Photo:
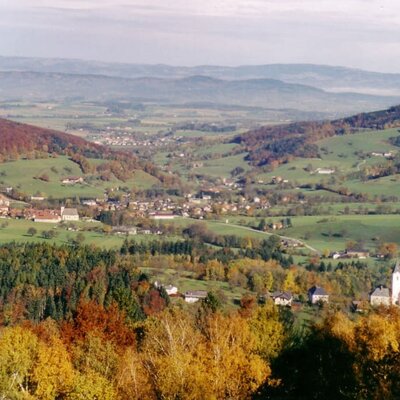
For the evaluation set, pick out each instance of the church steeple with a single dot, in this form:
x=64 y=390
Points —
x=396 y=284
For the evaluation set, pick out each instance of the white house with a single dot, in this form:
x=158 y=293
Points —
x=282 y=298
x=170 y=289
x=318 y=294
x=124 y=230
x=69 y=214
x=161 y=215
x=325 y=171
x=71 y=180
x=396 y=284
x=192 y=296
x=380 y=296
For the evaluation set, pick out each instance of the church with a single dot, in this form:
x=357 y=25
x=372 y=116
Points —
x=396 y=284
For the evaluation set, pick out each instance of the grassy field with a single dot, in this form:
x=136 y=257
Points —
x=345 y=154
x=22 y=175
x=333 y=232
x=222 y=167
x=16 y=230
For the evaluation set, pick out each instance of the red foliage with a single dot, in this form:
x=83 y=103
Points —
x=109 y=324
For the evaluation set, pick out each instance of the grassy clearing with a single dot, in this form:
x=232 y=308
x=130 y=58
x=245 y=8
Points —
x=21 y=175
x=185 y=280
x=222 y=167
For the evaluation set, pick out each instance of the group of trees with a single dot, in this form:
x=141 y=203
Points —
x=342 y=358
x=174 y=354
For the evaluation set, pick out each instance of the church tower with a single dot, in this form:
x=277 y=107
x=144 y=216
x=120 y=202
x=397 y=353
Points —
x=396 y=284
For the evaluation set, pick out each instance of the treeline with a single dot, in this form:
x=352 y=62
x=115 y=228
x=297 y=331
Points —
x=38 y=281
x=279 y=143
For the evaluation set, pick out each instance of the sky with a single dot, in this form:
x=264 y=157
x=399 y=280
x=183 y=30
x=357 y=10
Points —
x=355 y=33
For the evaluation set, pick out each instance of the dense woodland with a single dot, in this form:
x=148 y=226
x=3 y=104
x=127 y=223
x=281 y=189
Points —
x=84 y=323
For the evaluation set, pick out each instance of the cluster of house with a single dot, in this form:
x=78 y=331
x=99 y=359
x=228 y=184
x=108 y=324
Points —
x=72 y=180
x=316 y=295
x=350 y=253
x=126 y=137
x=190 y=296
x=385 y=154
x=49 y=215
x=381 y=295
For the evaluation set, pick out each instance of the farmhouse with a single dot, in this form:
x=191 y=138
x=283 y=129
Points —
x=380 y=296
x=282 y=298
x=46 y=216
x=69 y=214
x=362 y=253
x=161 y=215
x=325 y=171
x=72 y=180
x=317 y=294
x=38 y=198
x=171 y=290
x=193 y=296
x=124 y=230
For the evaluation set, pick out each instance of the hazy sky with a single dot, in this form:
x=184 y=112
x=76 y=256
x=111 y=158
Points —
x=357 y=33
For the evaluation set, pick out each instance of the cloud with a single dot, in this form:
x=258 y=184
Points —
x=361 y=33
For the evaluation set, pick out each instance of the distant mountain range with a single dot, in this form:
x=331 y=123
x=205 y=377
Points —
x=329 y=78
x=321 y=91
x=266 y=93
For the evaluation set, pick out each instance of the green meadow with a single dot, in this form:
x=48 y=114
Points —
x=23 y=175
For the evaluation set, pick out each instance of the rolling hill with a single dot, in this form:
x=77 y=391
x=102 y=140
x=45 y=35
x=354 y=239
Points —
x=280 y=143
x=18 y=139
x=34 y=158
x=267 y=93
x=331 y=78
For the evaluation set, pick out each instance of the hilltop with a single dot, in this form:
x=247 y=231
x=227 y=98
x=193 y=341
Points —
x=18 y=140
x=35 y=160
x=279 y=143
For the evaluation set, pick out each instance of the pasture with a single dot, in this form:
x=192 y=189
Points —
x=24 y=175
